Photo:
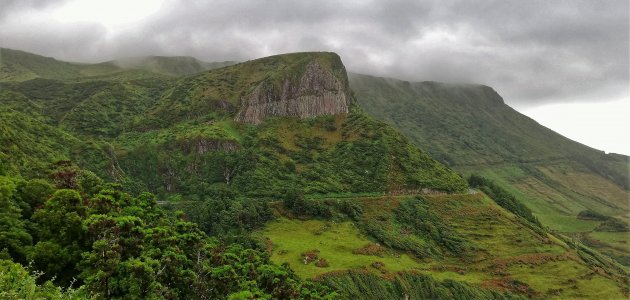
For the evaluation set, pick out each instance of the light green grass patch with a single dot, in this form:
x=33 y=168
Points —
x=336 y=243
x=615 y=238
x=570 y=223
x=565 y=279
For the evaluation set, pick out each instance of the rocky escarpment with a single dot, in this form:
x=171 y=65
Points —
x=317 y=92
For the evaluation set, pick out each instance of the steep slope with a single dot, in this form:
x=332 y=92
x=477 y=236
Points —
x=29 y=146
x=467 y=238
x=100 y=107
x=307 y=138
x=471 y=129
x=470 y=124
x=298 y=84
x=183 y=136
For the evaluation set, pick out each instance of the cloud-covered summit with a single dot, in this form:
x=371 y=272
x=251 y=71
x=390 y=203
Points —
x=532 y=52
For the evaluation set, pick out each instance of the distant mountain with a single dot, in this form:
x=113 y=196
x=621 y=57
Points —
x=16 y=65
x=170 y=65
x=471 y=129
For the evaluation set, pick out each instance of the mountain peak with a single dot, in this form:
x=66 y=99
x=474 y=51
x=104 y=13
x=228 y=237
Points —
x=310 y=84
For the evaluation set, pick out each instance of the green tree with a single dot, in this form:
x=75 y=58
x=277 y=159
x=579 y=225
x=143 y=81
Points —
x=61 y=236
x=14 y=238
x=34 y=193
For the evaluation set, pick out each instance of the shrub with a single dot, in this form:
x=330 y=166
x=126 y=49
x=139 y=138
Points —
x=613 y=225
x=370 y=249
x=503 y=198
x=591 y=215
x=310 y=256
x=322 y=263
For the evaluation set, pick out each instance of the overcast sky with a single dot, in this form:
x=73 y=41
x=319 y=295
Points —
x=541 y=56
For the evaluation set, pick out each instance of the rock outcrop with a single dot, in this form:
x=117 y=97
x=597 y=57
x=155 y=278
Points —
x=317 y=92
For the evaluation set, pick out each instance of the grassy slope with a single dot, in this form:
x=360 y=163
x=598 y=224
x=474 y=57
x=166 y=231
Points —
x=506 y=250
x=471 y=129
x=335 y=241
x=100 y=107
x=20 y=66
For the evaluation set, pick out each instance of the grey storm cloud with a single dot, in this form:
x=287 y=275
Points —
x=532 y=52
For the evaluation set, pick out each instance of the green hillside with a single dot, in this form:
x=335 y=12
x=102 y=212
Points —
x=472 y=240
x=164 y=178
x=472 y=130
x=17 y=65
x=347 y=153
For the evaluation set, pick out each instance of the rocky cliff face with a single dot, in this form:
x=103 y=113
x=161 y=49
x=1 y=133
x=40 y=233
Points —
x=317 y=92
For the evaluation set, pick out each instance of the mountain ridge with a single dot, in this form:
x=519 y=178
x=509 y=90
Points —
x=21 y=66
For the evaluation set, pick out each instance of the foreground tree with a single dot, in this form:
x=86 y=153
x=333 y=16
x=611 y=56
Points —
x=14 y=238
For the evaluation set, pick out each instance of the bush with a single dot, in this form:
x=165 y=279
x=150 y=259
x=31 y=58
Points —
x=613 y=225
x=406 y=285
x=322 y=263
x=17 y=283
x=416 y=215
x=503 y=198
x=310 y=256
x=591 y=215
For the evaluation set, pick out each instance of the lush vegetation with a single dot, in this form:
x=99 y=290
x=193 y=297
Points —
x=17 y=283
x=502 y=197
x=364 y=285
x=87 y=234
x=126 y=179
x=454 y=239
x=177 y=136
x=263 y=161
x=471 y=129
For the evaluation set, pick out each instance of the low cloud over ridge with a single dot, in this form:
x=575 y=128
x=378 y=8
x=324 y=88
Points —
x=532 y=52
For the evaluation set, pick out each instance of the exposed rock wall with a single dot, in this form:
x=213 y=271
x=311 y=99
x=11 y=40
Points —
x=317 y=93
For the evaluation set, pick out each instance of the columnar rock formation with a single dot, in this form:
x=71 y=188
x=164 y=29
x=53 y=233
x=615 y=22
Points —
x=317 y=92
